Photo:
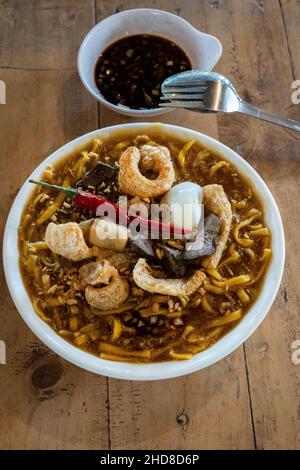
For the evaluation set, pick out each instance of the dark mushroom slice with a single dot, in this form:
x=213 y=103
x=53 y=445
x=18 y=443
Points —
x=142 y=246
x=204 y=243
x=173 y=261
x=104 y=178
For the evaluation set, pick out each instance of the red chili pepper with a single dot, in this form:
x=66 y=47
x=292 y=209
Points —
x=92 y=202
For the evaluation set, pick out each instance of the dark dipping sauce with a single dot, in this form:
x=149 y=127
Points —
x=131 y=70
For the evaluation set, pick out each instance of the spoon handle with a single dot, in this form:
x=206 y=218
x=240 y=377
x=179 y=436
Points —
x=246 y=108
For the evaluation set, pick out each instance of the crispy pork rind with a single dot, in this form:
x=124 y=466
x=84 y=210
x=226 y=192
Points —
x=143 y=277
x=216 y=201
x=67 y=240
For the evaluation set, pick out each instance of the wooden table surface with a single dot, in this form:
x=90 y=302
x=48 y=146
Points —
x=248 y=400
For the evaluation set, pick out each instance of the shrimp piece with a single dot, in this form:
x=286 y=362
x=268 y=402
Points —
x=67 y=240
x=132 y=182
x=176 y=287
x=106 y=297
x=215 y=200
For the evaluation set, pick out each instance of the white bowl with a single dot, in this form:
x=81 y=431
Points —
x=202 y=49
x=162 y=370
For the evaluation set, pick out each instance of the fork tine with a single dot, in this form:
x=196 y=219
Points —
x=184 y=90
x=187 y=84
x=183 y=104
x=184 y=96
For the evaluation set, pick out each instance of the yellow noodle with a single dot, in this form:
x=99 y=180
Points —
x=49 y=173
x=122 y=145
x=180 y=356
x=97 y=143
x=233 y=281
x=27 y=219
x=265 y=258
x=238 y=204
x=183 y=152
x=37 y=274
x=205 y=343
x=201 y=155
x=187 y=330
x=80 y=165
x=123 y=308
x=40 y=313
x=119 y=351
x=73 y=323
x=213 y=289
x=86 y=311
x=36 y=200
x=214 y=332
x=66 y=333
x=255 y=226
x=117 y=330
x=244 y=241
x=160 y=298
x=216 y=167
x=38 y=246
x=177 y=314
x=30 y=230
x=194 y=338
x=215 y=274
x=172 y=147
x=225 y=319
x=57 y=301
x=81 y=339
x=242 y=295
x=50 y=211
x=195 y=303
x=25 y=249
x=31 y=263
x=183 y=300
x=234 y=256
x=250 y=253
x=163 y=349
x=206 y=305
x=146 y=312
x=254 y=211
x=262 y=232
x=198 y=348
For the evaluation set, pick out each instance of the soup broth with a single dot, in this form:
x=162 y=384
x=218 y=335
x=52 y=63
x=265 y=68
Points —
x=147 y=326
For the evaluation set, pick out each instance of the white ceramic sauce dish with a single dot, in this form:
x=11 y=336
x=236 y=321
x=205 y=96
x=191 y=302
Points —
x=163 y=370
x=202 y=49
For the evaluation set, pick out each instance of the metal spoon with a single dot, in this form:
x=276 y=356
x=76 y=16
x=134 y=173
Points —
x=212 y=92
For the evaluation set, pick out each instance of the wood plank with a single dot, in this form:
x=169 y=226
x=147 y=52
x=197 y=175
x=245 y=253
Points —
x=291 y=18
x=45 y=402
x=257 y=59
x=209 y=409
x=44 y=34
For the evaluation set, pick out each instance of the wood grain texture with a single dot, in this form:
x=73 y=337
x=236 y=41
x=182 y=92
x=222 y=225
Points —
x=263 y=75
x=248 y=400
x=214 y=403
x=45 y=402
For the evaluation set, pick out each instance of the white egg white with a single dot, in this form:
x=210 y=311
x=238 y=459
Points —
x=185 y=202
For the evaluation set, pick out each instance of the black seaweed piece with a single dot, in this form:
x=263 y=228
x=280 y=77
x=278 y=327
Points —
x=204 y=245
x=173 y=261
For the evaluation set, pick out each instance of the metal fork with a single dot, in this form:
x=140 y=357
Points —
x=212 y=92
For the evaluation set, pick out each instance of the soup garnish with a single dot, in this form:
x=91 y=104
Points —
x=120 y=290
x=131 y=70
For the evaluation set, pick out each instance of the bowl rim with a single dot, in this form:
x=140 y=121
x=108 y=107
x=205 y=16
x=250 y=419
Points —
x=99 y=96
x=153 y=371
